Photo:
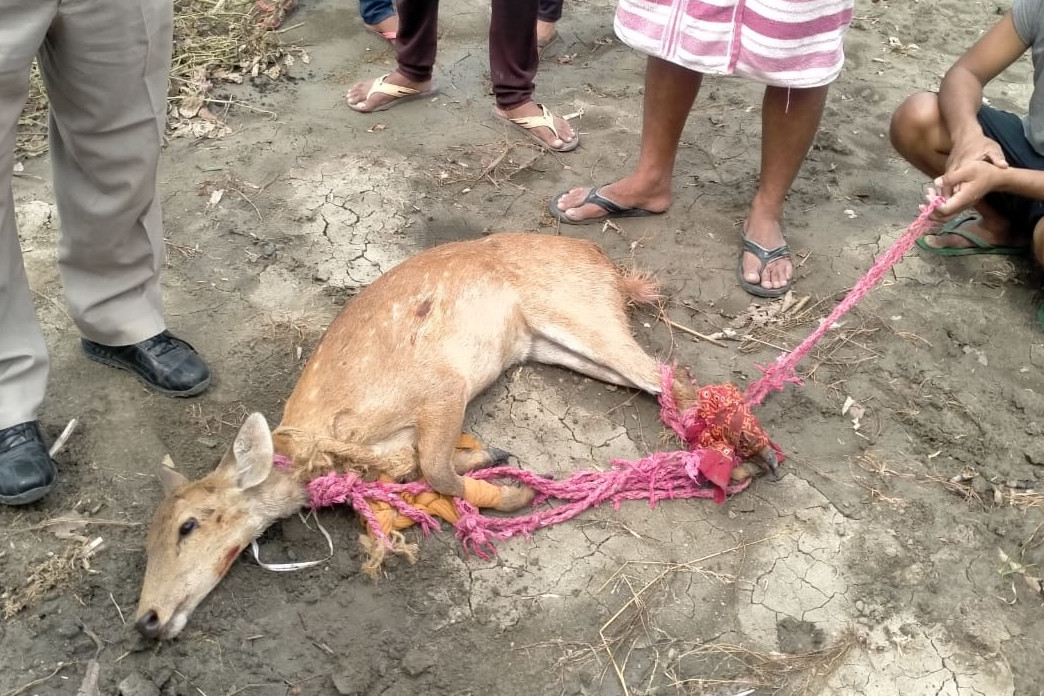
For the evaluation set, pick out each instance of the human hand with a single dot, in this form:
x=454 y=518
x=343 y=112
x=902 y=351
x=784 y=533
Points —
x=963 y=187
x=977 y=148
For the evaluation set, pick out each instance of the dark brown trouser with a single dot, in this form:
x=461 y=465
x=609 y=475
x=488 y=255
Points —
x=513 y=57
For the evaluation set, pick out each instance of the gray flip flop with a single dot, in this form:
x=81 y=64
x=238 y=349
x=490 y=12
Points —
x=612 y=209
x=765 y=256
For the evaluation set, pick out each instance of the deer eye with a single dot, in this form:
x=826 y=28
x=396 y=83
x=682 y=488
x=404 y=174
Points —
x=187 y=527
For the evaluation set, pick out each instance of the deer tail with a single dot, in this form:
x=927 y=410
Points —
x=639 y=287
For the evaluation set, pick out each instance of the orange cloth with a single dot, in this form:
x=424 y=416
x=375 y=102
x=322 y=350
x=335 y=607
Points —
x=481 y=493
x=476 y=492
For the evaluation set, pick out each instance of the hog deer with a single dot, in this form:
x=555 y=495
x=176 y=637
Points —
x=385 y=392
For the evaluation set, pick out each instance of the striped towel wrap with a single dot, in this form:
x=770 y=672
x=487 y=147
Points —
x=785 y=43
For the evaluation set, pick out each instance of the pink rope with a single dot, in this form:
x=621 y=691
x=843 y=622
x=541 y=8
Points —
x=782 y=371
x=659 y=476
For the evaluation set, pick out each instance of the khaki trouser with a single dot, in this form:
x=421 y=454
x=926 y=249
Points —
x=105 y=64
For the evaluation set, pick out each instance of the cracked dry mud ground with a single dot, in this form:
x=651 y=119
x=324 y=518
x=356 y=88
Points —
x=861 y=542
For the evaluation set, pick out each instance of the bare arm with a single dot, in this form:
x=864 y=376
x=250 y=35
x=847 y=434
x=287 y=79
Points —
x=960 y=94
x=976 y=165
x=1022 y=182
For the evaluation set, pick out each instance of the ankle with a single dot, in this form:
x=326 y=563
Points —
x=515 y=109
x=400 y=80
x=646 y=184
x=765 y=205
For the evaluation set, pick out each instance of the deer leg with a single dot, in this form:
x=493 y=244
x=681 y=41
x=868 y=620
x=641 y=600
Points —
x=622 y=362
x=617 y=358
x=438 y=431
x=470 y=454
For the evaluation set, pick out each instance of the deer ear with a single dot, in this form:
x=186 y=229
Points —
x=170 y=479
x=252 y=452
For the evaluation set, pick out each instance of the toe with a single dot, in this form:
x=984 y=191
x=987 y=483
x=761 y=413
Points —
x=751 y=273
x=357 y=93
x=779 y=274
x=564 y=130
x=572 y=198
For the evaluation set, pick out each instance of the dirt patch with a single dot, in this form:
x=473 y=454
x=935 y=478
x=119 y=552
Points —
x=900 y=555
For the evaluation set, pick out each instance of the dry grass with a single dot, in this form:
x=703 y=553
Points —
x=495 y=163
x=52 y=573
x=631 y=636
x=214 y=41
x=913 y=471
x=32 y=125
x=842 y=349
x=1021 y=499
x=215 y=423
x=296 y=332
x=624 y=629
x=782 y=324
x=740 y=667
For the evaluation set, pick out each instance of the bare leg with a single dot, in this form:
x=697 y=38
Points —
x=789 y=119
x=545 y=32
x=670 y=91
x=919 y=134
x=386 y=25
x=548 y=14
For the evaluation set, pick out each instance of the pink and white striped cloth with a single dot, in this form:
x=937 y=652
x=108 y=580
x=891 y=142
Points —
x=785 y=43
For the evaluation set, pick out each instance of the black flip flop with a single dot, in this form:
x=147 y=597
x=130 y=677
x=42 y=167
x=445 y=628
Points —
x=765 y=256
x=612 y=209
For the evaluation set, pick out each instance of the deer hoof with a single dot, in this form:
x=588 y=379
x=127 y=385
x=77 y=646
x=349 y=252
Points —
x=498 y=457
x=514 y=497
x=768 y=460
x=763 y=462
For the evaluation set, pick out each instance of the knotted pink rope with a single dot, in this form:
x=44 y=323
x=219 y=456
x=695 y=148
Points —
x=782 y=371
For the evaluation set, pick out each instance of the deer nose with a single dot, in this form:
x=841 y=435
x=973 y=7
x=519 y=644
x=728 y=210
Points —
x=149 y=624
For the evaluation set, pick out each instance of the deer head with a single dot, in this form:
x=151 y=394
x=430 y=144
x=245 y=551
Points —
x=201 y=527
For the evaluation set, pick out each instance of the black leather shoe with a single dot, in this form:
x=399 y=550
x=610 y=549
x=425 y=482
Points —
x=164 y=363
x=26 y=470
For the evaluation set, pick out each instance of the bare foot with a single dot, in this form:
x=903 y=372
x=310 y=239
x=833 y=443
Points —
x=565 y=136
x=358 y=100
x=766 y=232
x=387 y=27
x=546 y=33
x=630 y=191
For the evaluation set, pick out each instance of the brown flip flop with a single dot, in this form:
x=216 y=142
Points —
x=545 y=120
x=401 y=94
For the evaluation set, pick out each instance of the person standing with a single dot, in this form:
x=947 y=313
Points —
x=794 y=47
x=105 y=64
x=514 y=58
